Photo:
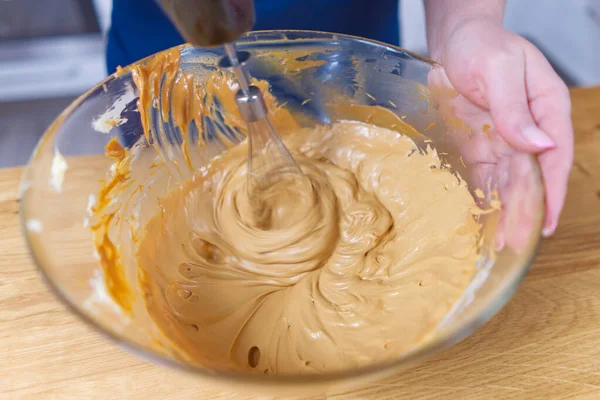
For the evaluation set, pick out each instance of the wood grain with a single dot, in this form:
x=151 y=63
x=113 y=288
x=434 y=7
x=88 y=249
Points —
x=544 y=344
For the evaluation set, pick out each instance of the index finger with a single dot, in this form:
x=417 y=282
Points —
x=550 y=105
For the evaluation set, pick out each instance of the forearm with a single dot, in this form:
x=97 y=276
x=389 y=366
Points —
x=443 y=16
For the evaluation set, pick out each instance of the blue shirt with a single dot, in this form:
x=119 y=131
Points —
x=139 y=28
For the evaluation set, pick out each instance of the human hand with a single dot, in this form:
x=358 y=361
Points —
x=507 y=77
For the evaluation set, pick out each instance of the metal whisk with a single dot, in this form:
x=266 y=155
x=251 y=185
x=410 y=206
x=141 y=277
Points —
x=216 y=22
x=268 y=158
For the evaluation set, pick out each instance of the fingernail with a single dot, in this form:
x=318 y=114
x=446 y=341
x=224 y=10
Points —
x=536 y=137
x=549 y=230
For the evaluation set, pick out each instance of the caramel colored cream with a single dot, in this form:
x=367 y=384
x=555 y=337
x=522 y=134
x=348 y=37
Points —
x=355 y=264
x=355 y=269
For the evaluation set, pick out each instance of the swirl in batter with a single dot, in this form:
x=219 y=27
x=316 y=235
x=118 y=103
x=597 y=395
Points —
x=356 y=266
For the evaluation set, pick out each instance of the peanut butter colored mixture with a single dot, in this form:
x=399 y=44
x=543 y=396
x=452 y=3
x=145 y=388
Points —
x=355 y=269
x=354 y=265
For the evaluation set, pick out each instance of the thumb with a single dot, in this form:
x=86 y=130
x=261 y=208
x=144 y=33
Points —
x=506 y=96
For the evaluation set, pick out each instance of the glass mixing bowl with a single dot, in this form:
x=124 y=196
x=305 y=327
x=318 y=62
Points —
x=328 y=69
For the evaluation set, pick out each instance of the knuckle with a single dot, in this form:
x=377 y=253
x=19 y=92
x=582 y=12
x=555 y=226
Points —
x=504 y=58
x=497 y=62
x=555 y=104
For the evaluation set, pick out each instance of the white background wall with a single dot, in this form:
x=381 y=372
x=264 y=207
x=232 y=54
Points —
x=568 y=31
x=103 y=9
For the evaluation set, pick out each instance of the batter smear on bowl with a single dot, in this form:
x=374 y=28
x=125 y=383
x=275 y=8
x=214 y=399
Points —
x=355 y=264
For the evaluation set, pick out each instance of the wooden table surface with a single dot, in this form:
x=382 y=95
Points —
x=544 y=344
